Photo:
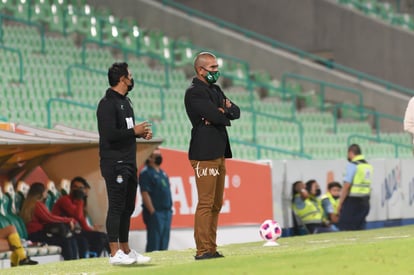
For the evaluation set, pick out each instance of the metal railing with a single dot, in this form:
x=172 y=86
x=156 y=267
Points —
x=70 y=68
x=260 y=148
x=25 y=22
x=322 y=86
x=126 y=52
x=294 y=121
x=20 y=56
x=93 y=108
x=363 y=111
x=277 y=44
x=379 y=140
x=65 y=101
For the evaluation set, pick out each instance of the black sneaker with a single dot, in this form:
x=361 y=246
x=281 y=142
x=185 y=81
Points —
x=27 y=261
x=205 y=256
x=218 y=255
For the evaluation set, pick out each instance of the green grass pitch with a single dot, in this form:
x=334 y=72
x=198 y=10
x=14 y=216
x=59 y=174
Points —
x=380 y=251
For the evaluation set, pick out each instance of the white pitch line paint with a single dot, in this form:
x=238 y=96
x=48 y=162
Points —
x=319 y=241
x=392 y=237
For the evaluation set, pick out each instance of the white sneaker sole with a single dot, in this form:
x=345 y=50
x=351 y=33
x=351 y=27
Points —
x=122 y=263
x=143 y=261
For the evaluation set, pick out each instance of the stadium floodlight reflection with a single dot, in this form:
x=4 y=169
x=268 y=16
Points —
x=167 y=53
x=87 y=9
x=70 y=9
x=111 y=19
x=114 y=31
x=220 y=61
x=135 y=31
x=94 y=32
x=188 y=52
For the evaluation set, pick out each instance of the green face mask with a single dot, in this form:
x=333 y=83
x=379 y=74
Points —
x=212 y=77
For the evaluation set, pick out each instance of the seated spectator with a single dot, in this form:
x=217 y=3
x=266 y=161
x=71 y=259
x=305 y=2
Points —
x=10 y=240
x=72 y=205
x=97 y=227
x=307 y=207
x=37 y=216
x=330 y=202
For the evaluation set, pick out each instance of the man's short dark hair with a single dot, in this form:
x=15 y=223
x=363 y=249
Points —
x=81 y=180
x=334 y=184
x=354 y=148
x=116 y=71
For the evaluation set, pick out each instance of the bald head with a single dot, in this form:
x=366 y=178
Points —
x=203 y=63
x=203 y=59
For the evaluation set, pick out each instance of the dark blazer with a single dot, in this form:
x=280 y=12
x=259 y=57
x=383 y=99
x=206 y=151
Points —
x=201 y=103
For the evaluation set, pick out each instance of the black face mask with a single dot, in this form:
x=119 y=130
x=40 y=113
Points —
x=318 y=192
x=130 y=87
x=335 y=197
x=158 y=160
x=78 y=194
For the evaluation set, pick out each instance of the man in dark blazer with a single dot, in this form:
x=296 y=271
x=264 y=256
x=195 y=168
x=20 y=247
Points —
x=209 y=111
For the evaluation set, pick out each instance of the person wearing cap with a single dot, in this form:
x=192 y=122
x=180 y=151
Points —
x=210 y=112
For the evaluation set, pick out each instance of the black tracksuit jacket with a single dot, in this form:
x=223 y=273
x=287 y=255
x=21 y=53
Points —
x=117 y=140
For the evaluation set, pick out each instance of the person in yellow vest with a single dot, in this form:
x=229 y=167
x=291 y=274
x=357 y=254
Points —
x=354 y=205
x=307 y=207
x=330 y=202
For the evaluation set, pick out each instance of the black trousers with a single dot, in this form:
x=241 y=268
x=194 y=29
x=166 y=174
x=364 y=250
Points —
x=121 y=186
x=353 y=213
x=68 y=245
x=97 y=241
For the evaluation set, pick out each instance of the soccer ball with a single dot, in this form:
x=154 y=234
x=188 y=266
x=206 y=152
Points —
x=270 y=230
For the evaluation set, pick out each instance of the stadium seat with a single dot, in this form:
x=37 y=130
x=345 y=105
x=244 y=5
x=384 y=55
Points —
x=82 y=20
x=21 y=193
x=64 y=187
x=52 y=195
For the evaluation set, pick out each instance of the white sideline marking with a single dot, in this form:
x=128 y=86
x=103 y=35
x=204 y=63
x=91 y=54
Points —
x=392 y=237
x=319 y=241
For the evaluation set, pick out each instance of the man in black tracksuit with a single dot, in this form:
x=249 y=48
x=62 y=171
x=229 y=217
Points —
x=210 y=112
x=117 y=150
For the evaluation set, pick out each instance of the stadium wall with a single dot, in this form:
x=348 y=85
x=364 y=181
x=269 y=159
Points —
x=392 y=198
x=153 y=15
x=254 y=192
